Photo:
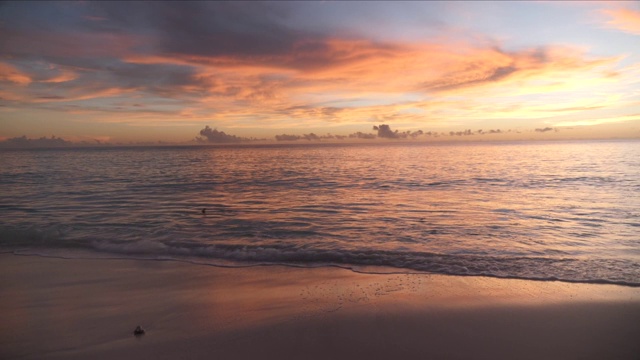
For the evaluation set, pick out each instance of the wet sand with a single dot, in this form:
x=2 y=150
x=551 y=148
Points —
x=79 y=309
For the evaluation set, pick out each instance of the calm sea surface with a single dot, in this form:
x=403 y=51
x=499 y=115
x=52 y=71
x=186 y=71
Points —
x=543 y=210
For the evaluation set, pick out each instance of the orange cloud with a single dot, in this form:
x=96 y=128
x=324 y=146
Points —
x=349 y=82
x=337 y=81
x=11 y=74
x=12 y=96
x=61 y=76
x=347 y=66
x=624 y=19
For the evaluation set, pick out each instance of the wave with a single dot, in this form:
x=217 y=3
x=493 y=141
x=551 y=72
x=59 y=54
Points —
x=566 y=269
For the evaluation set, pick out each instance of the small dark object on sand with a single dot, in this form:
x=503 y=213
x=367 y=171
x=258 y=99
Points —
x=204 y=211
x=138 y=331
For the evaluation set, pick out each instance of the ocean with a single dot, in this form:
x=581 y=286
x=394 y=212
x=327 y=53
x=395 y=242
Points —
x=567 y=211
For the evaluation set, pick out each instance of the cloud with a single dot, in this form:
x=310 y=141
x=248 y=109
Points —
x=600 y=120
x=309 y=137
x=312 y=136
x=218 y=137
x=627 y=20
x=361 y=135
x=246 y=63
x=461 y=133
x=285 y=137
x=544 y=129
x=11 y=74
x=469 y=132
x=283 y=88
x=384 y=131
x=43 y=142
x=60 y=43
x=212 y=28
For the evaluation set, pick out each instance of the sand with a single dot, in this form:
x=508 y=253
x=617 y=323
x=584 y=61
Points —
x=87 y=309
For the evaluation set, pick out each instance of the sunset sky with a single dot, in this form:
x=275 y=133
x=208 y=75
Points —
x=162 y=71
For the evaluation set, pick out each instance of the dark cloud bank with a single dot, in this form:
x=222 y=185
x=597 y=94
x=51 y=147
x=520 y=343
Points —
x=23 y=142
x=53 y=142
x=384 y=131
x=210 y=135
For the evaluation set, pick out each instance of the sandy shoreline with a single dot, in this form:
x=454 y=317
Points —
x=79 y=309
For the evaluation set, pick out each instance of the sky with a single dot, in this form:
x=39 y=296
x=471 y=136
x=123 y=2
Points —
x=176 y=71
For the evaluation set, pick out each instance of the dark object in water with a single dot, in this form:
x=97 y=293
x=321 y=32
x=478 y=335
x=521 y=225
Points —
x=204 y=211
x=138 y=331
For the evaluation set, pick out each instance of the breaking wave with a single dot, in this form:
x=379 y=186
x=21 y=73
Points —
x=609 y=271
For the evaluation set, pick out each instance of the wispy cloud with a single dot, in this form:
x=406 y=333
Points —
x=376 y=73
x=623 y=19
x=10 y=74
x=602 y=120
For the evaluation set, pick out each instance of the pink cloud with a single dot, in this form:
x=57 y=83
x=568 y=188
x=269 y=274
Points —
x=306 y=82
x=11 y=74
x=627 y=20
x=61 y=76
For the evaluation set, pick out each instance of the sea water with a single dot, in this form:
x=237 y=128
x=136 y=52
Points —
x=565 y=211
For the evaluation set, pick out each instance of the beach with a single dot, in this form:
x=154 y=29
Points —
x=88 y=308
x=320 y=180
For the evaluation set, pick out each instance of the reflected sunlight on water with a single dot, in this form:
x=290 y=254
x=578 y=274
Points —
x=566 y=210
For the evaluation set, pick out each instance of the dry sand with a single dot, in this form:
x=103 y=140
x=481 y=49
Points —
x=87 y=309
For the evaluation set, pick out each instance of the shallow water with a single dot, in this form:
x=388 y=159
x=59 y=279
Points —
x=539 y=210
